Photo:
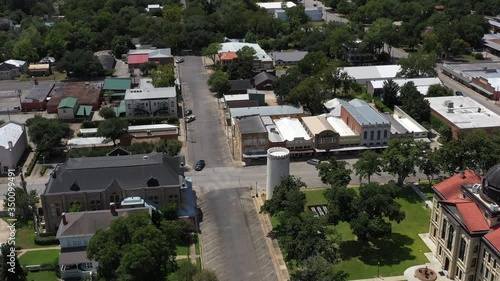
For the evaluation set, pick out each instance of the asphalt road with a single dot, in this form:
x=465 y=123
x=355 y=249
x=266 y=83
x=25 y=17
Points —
x=205 y=136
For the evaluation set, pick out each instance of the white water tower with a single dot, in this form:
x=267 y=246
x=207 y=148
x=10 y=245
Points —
x=278 y=165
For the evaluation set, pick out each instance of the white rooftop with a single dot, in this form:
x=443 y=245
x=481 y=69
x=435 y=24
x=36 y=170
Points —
x=422 y=84
x=236 y=97
x=340 y=126
x=409 y=125
x=87 y=141
x=146 y=83
x=275 y=5
x=236 y=46
x=374 y=72
x=10 y=132
x=150 y=93
x=152 y=128
x=291 y=129
x=17 y=63
x=88 y=131
x=464 y=112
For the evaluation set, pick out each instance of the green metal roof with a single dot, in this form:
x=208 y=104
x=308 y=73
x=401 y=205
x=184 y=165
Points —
x=84 y=110
x=121 y=84
x=68 y=103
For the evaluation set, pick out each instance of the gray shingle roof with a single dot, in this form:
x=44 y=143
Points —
x=128 y=171
x=289 y=56
x=87 y=223
x=262 y=77
x=39 y=93
x=242 y=84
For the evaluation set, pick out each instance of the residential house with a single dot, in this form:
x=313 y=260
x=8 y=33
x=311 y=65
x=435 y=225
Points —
x=285 y=58
x=250 y=138
x=297 y=140
x=67 y=108
x=139 y=56
x=324 y=137
x=39 y=69
x=74 y=234
x=95 y=182
x=13 y=144
x=240 y=86
x=264 y=81
x=262 y=61
x=22 y=66
x=226 y=58
x=7 y=71
x=37 y=97
x=153 y=101
x=464 y=225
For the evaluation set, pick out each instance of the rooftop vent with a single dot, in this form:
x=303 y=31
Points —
x=448 y=103
x=475 y=188
x=145 y=157
x=494 y=207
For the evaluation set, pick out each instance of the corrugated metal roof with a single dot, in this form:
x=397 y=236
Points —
x=117 y=84
x=67 y=103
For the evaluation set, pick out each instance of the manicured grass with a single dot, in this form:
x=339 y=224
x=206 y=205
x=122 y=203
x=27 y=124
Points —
x=426 y=188
x=198 y=263
x=404 y=250
x=315 y=197
x=39 y=257
x=182 y=250
x=197 y=244
x=470 y=58
x=25 y=235
x=42 y=276
x=182 y=261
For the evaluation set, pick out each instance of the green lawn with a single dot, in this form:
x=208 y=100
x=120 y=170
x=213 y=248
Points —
x=39 y=257
x=404 y=250
x=25 y=235
x=197 y=244
x=182 y=250
x=42 y=276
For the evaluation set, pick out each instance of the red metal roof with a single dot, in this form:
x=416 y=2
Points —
x=228 y=56
x=138 y=58
x=450 y=188
x=494 y=238
x=471 y=215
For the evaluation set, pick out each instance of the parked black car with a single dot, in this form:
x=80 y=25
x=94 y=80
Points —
x=200 y=165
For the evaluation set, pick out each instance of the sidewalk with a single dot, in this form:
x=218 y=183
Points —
x=274 y=249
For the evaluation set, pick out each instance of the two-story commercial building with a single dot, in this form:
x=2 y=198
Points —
x=324 y=137
x=296 y=138
x=151 y=101
x=95 y=182
x=13 y=143
x=251 y=138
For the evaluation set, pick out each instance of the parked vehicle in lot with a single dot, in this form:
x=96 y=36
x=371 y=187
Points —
x=190 y=119
x=188 y=112
x=458 y=93
x=179 y=60
x=313 y=161
x=200 y=165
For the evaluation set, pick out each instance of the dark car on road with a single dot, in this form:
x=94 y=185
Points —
x=313 y=161
x=188 y=112
x=200 y=165
x=458 y=93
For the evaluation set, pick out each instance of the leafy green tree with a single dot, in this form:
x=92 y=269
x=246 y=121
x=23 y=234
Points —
x=390 y=91
x=317 y=268
x=75 y=207
x=166 y=212
x=313 y=63
x=400 y=158
x=10 y=268
x=428 y=164
x=132 y=248
x=47 y=133
x=309 y=94
x=79 y=63
x=342 y=204
x=334 y=172
x=163 y=76
x=287 y=198
x=368 y=164
x=186 y=272
x=171 y=147
x=458 y=47
x=112 y=128
x=419 y=64
x=141 y=148
x=438 y=90
x=285 y=83
x=205 y=275
x=414 y=103
x=107 y=112
x=219 y=83
x=212 y=51
x=381 y=31
x=146 y=67
x=23 y=204
x=242 y=67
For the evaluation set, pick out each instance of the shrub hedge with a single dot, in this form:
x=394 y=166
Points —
x=51 y=240
x=134 y=121
x=32 y=164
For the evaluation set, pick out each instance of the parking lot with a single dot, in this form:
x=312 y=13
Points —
x=233 y=242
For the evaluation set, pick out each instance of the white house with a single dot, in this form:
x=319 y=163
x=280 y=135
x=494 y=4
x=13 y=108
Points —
x=13 y=143
x=272 y=7
x=74 y=234
x=151 y=101
x=67 y=108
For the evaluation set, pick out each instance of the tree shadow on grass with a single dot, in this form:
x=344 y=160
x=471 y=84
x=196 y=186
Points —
x=408 y=194
x=387 y=252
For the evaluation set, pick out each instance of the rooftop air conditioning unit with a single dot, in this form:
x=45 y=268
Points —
x=475 y=188
x=450 y=110
x=494 y=207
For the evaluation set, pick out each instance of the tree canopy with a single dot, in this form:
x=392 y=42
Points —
x=400 y=157
x=80 y=63
x=112 y=128
x=334 y=172
x=163 y=76
x=46 y=133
